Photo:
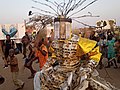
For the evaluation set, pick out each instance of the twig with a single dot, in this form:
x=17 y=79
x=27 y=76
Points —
x=83 y=8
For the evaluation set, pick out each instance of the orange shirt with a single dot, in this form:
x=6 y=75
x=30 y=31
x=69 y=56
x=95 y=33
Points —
x=42 y=58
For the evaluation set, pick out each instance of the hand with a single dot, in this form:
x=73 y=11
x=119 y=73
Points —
x=28 y=64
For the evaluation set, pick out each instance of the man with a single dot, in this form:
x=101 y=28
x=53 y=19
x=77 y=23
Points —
x=7 y=45
x=29 y=55
x=24 y=45
x=41 y=53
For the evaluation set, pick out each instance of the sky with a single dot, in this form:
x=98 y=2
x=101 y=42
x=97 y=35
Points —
x=16 y=11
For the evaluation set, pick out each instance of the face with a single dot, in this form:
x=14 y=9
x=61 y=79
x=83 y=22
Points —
x=8 y=37
x=26 y=41
x=11 y=52
x=40 y=43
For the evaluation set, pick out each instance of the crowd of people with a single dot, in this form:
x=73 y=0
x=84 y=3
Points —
x=30 y=53
x=109 y=47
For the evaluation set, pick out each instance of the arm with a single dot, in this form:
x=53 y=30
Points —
x=42 y=51
x=31 y=52
x=31 y=60
x=13 y=44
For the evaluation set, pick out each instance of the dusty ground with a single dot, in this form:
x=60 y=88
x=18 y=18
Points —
x=112 y=75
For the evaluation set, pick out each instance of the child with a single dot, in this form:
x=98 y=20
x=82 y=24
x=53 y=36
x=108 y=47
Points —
x=111 y=51
x=13 y=62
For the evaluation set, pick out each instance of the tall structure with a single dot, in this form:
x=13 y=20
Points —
x=64 y=70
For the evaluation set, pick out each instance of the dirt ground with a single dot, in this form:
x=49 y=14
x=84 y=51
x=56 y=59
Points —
x=112 y=75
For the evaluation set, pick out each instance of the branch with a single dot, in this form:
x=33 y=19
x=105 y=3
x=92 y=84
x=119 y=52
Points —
x=72 y=7
x=84 y=23
x=51 y=2
x=86 y=16
x=83 y=8
x=64 y=4
x=37 y=13
x=59 y=7
x=46 y=5
x=68 y=5
x=78 y=4
x=44 y=10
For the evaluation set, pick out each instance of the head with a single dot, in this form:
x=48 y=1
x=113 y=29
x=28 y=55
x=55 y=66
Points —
x=110 y=37
x=26 y=40
x=11 y=52
x=8 y=37
x=41 y=42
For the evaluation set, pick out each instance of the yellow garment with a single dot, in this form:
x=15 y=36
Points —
x=51 y=49
x=95 y=54
x=86 y=44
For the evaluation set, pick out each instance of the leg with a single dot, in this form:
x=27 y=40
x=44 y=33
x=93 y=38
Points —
x=5 y=58
x=20 y=45
x=24 y=50
x=108 y=66
x=114 y=60
x=100 y=63
x=31 y=70
x=16 y=81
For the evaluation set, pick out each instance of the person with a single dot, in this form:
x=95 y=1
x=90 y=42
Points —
x=13 y=62
x=41 y=53
x=92 y=36
x=7 y=45
x=111 y=51
x=29 y=56
x=24 y=45
x=102 y=45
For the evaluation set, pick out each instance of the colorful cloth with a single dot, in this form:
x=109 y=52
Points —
x=111 y=49
x=42 y=58
x=88 y=46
